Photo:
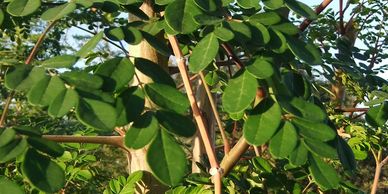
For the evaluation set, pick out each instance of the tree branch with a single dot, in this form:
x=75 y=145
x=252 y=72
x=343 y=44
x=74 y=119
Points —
x=234 y=155
x=197 y=114
x=379 y=166
x=117 y=141
x=318 y=10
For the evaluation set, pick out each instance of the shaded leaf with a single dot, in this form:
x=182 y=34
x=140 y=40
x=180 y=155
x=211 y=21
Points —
x=323 y=174
x=167 y=97
x=176 y=123
x=96 y=114
x=63 y=103
x=129 y=105
x=9 y=187
x=284 y=141
x=43 y=173
x=116 y=72
x=263 y=122
x=142 y=131
x=46 y=146
x=167 y=159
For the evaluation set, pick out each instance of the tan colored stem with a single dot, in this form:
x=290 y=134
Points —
x=6 y=108
x=117 y=141
x=318 y=10
x=234 y=155
x=196 y=112
x=216 y=114
x=379 y=166
x=39 y=42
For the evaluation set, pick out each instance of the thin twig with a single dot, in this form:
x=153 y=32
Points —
x=197 y=114
x=6 y=108
x=216 y=114
x=39 y=42
x=318 y=10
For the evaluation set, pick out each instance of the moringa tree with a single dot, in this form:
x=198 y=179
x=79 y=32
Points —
x=275 y=91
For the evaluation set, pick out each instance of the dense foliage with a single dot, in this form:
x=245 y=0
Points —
x=291 y=95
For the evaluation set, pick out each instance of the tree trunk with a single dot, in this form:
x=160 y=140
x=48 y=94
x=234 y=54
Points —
x=137 y=158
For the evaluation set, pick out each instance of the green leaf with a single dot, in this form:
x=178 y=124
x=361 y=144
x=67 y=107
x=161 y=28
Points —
x=45 y=91
x=116 y=72
x=63 y=103
x=176 y=123
x=96 y=114
x=157 y=44
x=90 y=45
x=163 y=2
x=242 y=31
x=305 y=52
x=115 y=33
x=323 y=174
x=9 y=187
x=286 y=28
x=43 y=173
x=1 y=17
x=346 y=156
x=167 y=97
x=308 y=110
x=167 y=159
x=63 y=61
x=278 y=42
x=266 y=18
x=154 y=71
x=27 y=130
x=239 y=93
x=301 y=9
x=204 y=53
x=284 y=141
x=260 y=34
x=377 y=116
x=133 y=35
x=142 y=131
x=129 y=105
x=205 y=19
x=248 y=4
x=82 y=80
x=314 y=130
x=59 y=12
x=298 y=157
x=7 y=136
x=23 y=7
x=49 y=147
x=12 y=150
x=273 y=4
x=15 y=76
x=260 y=68
x=206 y=5
x=179 y=16
x=321 y=148
x=223 y=34
x=263 y=122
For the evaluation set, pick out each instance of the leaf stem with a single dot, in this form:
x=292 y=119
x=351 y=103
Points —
x=197 y=114
x=216 y=114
